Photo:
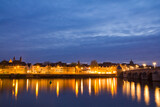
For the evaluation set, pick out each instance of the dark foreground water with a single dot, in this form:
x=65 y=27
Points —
x=91 y=92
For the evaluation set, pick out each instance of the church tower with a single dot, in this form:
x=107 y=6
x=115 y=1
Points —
x=20 y=59
x=79 y=64
x=131 y=62
x=14 y=58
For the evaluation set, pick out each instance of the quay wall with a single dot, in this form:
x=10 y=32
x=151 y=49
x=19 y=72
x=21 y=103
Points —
x=57 y=75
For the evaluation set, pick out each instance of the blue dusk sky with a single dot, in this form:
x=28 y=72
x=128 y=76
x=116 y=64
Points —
x=72 y=30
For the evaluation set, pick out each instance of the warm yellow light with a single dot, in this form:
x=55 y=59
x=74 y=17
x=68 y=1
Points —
x=76 y=89
x=114 y=72
x=138 y=92
x=37 y=89
x=27 y=85
x=89 y=87
x=28 y=71
x=99 y=72
x=16 y=89
x=115 y=85
x=128 y=88
x=96 y=87
x=133 y=90
x=108 y=84
x=99 y=84
x=81 y=86
x=144 y=65
x=18 y=66
x=10 y=61
x=137 y=66
x=146 y=94
x=112 y=88
x=37 y=66
x=108 y=73
x=57 y=88
x=13 y=83
x=124 y=87
x=157 y=96
x=154 y=64
x=131 y=67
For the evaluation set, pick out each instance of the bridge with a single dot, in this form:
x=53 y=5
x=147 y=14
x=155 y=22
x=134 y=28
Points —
x=143 y=74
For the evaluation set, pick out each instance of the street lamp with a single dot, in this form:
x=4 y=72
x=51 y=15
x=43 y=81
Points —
x=154 y=64
x=144 y=65
x=137 y=66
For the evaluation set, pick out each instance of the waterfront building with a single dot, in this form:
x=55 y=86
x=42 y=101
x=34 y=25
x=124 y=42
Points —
x=52 y=69
x=19 y=67
x=104 y=70
x=13 y=67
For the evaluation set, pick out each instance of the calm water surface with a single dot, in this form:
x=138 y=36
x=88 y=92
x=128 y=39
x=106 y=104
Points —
x=91 y=92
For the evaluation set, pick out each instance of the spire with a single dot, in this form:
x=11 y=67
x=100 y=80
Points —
x=131 y=62
x=14 y=58
x=79 y=64
x=20 y=59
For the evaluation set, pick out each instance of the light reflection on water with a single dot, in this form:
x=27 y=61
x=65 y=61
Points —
x=146 y=95
x=57 y=89
x=37 y=89
x=81 y=86
x=133 y=90
x=136 y=91
x=157 y=96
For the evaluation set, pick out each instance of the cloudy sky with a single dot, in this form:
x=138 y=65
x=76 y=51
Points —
x=71 y=30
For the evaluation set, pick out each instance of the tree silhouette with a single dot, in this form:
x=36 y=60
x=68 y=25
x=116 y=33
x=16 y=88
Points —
x=94 y=64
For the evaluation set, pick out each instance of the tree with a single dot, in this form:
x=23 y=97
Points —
x=73 y=64
x=94 y=64
x=46 y=63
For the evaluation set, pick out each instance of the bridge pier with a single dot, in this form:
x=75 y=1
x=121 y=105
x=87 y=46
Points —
x=156 y=76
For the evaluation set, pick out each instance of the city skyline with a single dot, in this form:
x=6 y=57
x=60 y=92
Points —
x=18 y=61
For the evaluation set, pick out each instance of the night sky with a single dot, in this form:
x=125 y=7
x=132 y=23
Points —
x=72 y=30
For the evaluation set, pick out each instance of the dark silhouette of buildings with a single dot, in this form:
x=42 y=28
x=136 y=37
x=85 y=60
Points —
x=13 y=63
x=131 y=62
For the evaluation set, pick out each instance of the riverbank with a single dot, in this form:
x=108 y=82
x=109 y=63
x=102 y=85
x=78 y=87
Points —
x=57 y=75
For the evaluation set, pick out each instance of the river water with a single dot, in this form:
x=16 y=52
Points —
x=87 y=92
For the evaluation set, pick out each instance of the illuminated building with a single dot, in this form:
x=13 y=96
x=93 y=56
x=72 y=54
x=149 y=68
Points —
x=20 y=67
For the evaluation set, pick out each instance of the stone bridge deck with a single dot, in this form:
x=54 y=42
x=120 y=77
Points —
x=144 y=74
